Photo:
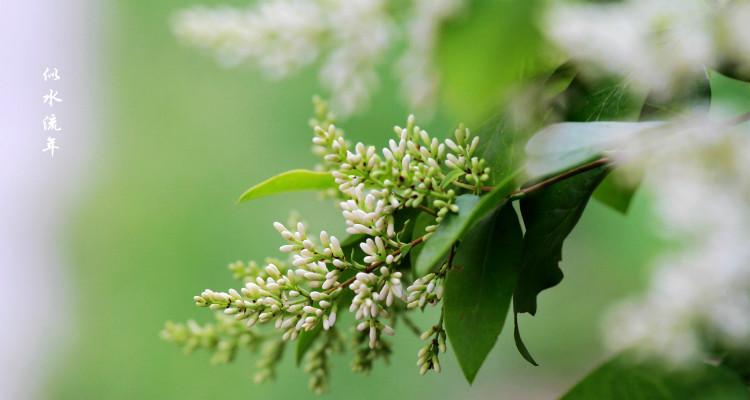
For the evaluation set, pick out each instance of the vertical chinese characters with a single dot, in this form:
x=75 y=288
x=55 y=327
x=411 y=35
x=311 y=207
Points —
x=50 y=122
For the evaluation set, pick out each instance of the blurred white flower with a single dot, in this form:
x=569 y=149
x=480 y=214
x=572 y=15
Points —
x=658 y=44
x=699 y=176
x=350 y=36
x=281 y=35
x=419 y=77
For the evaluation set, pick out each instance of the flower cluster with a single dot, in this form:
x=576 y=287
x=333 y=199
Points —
x=415 y=174
x=657 y=45
x=700 y=292
x=353 y=36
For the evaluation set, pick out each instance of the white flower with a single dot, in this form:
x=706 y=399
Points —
x=699 y=176
x=657 y=44
x=350 y=37
x=418 y=75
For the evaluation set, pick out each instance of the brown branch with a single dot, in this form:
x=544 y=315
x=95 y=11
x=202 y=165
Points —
x=557 y=178
x=739 y=119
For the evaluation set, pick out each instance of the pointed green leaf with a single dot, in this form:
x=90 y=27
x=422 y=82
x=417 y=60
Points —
x=728 y=96
x=550 y=214
x=624 y=378
x=479 y=288
x=290 y=181
x=519 y=342
x=471 y=209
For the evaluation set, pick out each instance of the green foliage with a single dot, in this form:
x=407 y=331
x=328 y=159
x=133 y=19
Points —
x=550 y=214
x=505 y=48
x=563 y=146
x=479 y=288
x=606 y=101
x=616 y=193
x=290 y=181
x=624 y=378
x=471 y=209
x=728 y=95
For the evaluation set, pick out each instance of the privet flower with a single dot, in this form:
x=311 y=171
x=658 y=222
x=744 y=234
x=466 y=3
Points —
x=657 y=45
x=323 y=276
x=351 y=37
x=699 y=294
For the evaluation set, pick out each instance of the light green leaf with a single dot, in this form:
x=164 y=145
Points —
x=616 y=192
x=471 y=209
x=479 y=288
x=305 y=341
x=729 y=97
x=290 y=181
x=562 y=146
x=550 y=214
x=623 y=378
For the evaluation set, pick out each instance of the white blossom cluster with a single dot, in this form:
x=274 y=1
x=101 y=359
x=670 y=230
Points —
x=699 y=176
x=657 y=45
x=351 y=37
x=304 y=292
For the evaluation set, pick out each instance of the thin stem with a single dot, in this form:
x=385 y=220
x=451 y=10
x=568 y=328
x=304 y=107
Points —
x=411 y=325
x=472 y=187
x=739 y=119
x=427 y=210
x=557 y=178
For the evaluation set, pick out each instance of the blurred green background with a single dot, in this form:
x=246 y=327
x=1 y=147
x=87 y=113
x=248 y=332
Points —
x=184 y=138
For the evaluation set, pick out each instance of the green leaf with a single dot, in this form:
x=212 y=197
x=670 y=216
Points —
x=560 y=147
x=501 y=146
x=290 y=181
x=604 y=100
x=506 y=47
x=550 y=214
x=471 y=208
x=729 y=97
x=623 y=378
x=519 y=342
x=616 y=192
x=479 y=288
x=305 y=341
x=451 y=177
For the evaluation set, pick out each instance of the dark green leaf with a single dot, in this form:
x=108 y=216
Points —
x=471 y=209
x=603 y=101
x=479 y=288
x=352 y=240
x=505 y=48
x=305 y=341
x=729 y=97
x=519 y=342
x=290 y=181
x=623 y=378
x=501 y=146
x=550 y=214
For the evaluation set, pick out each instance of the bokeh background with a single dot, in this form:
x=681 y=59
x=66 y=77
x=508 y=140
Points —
x=136 y=214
